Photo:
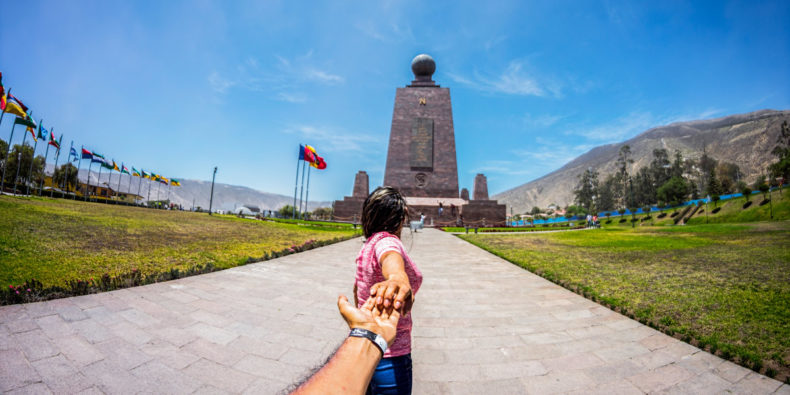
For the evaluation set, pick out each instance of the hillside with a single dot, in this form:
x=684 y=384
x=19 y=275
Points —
x=744 y=139
x=226 y=197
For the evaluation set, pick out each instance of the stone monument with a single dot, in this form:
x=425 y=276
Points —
x=350 y=207
x=421 y=158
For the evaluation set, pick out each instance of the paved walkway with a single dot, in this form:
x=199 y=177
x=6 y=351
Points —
x=482 y=325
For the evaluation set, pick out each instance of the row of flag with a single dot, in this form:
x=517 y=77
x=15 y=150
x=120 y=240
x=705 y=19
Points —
x=108 y=164
x=10 y=104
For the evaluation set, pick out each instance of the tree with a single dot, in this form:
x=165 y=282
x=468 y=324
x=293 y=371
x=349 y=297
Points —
x=623 y=162
x=20 y=157
x=3 y=150
x=606 y=194
x=535 y=210
x=781 y=168
x=674 y=190
x=729 y=174
x=677 y=165
x=660 y=167
x=323 y=212
x=714 y=186
x=746 y=192
x=66 y=175
x=584 y=194
x=715 y=199
x=287 y=211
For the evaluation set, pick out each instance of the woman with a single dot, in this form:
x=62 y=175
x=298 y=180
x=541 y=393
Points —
x=386 y=272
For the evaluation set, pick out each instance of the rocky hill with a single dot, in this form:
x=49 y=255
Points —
x=743 y=139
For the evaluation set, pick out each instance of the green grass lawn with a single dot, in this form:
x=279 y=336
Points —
x=721 y=286
x=537 y=228
x=56 y=240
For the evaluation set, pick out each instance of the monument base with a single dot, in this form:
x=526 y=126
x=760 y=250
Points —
x=484 y=213
x=348 y=210
x=457 y=211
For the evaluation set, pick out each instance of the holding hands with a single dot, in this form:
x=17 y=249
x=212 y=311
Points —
x=382 y=321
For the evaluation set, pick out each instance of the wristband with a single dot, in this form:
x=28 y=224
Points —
x=372 y=336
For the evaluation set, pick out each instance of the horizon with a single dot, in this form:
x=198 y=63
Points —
x=179 y=88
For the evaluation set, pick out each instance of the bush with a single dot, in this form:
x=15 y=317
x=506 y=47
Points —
x=747 y=193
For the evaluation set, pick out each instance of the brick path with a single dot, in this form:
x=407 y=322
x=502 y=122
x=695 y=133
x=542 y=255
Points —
x=491 y=327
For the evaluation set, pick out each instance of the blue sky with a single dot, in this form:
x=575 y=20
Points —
x=178 y=87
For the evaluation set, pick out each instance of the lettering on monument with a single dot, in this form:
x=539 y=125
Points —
x=421 y=143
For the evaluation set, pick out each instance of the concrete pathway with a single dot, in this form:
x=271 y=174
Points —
x=482 y=325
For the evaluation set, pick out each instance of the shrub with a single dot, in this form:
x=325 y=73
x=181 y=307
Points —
x=747 y=193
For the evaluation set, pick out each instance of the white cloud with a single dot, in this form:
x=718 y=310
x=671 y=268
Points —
x=618 y=129
x=218 y=83
x=514 y=80
x=282 y=77
x=392 y=33
x=292 y=97
x=541 y=121
x=334 y=140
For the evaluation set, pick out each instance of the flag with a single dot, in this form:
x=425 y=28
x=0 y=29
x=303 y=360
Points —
x=42 y=133
x=319 y=163
x=96 y=159
x=107 y=164
x=86 y=154
x=26 y=121
x=19 y=102
x=163 y=180
x=2 y=89
x=99 y=155
x=146 y=175
x=13 y=106
x=306 y=153
x=124 y=169
x=175 y=182
x=73 y=152
x=135 y=172
x=115 y=166
x=53 y=142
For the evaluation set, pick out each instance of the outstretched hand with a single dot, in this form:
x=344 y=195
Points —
x=393 y=293
x=383 y=322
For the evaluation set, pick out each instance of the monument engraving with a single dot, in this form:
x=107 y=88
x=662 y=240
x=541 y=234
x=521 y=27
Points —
x=420 y=180
x=421 y=143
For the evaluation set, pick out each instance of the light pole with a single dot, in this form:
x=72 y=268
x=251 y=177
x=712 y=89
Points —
x=211 y=200
x=633 y=215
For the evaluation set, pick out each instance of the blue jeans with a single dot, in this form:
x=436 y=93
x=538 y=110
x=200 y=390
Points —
x=392 y=376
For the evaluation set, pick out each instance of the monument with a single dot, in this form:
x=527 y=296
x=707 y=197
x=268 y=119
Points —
x=350 y=207
x=421 y=158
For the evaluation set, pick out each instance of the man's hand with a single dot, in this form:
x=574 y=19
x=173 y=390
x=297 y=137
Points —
x=383 y=321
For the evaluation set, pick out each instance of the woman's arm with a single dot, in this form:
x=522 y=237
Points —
x=395 y=290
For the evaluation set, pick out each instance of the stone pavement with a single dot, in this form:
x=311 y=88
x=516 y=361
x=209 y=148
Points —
x=481 y=325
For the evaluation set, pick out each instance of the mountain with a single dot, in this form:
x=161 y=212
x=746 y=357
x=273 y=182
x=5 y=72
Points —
x=743 y=139
x=226 y=197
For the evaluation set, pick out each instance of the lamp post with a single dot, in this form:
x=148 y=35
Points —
x=211 y=200
x=633 y=215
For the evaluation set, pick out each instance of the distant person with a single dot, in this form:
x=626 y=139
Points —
x=422 y=219
x=452 y=209
x=440 y=209
x=386 y=272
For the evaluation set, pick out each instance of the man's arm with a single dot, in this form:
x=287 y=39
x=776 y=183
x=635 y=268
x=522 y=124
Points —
x=351 y=367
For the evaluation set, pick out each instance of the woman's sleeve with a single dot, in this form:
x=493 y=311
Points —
x=385 y=245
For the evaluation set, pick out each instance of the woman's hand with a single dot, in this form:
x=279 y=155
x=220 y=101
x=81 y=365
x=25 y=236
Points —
x=383 y=322
x=394 y=292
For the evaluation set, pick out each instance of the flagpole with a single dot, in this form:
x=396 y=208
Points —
x=140 y=184
x=149 y=193
x=307 y=194
x=119 y=181
x=129 y=186
x=159 y=183
x=32 y=159
x=19 y=162
x=68 y=160
x=3 y=112
x=79 y=164
x=168 y=193
x=57 y=156
x=88 y=180
x=301 y=189
x=7 y=152
x=296 y=182
x=44 y=171
x=98 y=182
x=109 y=182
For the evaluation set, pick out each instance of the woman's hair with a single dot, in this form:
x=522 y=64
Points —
x=384 y=211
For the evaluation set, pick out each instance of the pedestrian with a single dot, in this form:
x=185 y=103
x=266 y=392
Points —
x=385 y=270
x=440 y=209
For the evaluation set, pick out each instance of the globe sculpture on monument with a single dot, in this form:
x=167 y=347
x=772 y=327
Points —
x=421 y=159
